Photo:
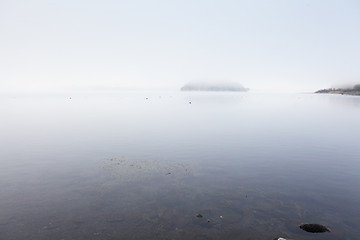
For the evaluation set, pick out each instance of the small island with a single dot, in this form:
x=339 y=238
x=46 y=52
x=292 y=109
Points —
x=203 y=86
x=348 y=91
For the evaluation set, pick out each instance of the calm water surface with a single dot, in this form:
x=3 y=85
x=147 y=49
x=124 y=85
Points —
x=143 y=165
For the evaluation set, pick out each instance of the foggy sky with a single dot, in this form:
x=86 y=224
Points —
x=278 y=45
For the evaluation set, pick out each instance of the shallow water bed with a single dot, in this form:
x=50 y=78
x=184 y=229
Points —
x=145 y=165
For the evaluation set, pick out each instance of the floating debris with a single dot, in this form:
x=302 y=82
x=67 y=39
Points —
x=314 y=228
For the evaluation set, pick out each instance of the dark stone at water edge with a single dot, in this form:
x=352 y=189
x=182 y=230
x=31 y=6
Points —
x=314 y=228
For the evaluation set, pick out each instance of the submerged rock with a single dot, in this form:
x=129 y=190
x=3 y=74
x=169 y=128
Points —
x=314 y=228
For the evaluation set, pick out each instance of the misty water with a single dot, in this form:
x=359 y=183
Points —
x=143 y=165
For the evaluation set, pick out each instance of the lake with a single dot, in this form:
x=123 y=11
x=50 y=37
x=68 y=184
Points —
x=147 y=165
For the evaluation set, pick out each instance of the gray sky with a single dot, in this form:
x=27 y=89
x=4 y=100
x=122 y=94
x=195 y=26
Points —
x=284 y=45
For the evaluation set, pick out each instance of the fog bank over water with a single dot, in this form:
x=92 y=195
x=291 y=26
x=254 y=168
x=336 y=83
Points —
x=280 y=46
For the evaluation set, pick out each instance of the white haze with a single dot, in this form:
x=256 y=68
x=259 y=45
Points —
x=281 y=45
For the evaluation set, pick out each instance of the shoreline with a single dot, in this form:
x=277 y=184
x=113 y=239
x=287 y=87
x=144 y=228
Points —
x=342 y=92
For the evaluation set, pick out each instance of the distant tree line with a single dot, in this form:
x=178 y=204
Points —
x=200 y=86
x=355 y=90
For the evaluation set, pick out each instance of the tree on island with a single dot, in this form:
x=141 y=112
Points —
x=214 y=86
x=349 y=91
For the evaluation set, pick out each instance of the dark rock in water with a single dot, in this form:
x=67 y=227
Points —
x=314 y=228
x=199 y=216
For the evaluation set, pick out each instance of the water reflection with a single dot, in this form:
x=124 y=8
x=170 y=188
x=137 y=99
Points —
x=346 y=101
x=254 y=166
